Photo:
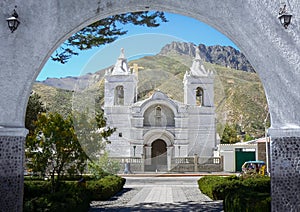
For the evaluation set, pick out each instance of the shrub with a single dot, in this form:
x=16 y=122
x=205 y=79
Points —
x=70 y=197
x=105 y=188
x=104 y=166
x=257 y=183
x=208 y=184
x=247 y=201
x=220 y=190
x=239 y=194
x=76 y=177
x=36 y=188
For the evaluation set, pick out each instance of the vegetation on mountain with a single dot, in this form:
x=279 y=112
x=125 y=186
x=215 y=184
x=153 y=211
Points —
x=35 y=106
x=239 y=95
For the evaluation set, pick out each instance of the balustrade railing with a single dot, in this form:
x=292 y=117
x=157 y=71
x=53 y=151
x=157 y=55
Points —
x=131 y=160
x=179 y=164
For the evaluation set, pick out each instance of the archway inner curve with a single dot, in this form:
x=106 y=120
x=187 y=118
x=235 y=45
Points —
x=159 y=154
x=207 y=13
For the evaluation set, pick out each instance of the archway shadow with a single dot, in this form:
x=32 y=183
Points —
x=211 y=206
x=116 y=204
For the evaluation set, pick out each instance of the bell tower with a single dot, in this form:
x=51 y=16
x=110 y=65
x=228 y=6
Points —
x=198 y=84
x=120 y=84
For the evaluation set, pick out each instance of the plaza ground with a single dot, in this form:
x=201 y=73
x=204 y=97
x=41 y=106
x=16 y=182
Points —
x=154 y=192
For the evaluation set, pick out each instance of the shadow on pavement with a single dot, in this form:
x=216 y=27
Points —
x=119 y=194
x=212 y=206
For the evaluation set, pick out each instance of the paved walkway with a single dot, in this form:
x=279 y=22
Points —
x=159 y=194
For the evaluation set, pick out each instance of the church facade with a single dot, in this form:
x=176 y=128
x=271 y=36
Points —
x=159 y=129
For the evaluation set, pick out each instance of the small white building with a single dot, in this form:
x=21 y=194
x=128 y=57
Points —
x=234 y=155
x=159 y=129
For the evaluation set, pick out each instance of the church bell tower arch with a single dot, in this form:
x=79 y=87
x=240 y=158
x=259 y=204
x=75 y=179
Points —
x=120 y=84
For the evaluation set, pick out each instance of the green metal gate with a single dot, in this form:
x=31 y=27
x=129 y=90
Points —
x=241 y=156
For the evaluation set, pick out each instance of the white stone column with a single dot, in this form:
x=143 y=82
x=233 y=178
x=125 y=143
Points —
x=12 y=159
x=142 y=162
x=148 y=150
x=169 y=157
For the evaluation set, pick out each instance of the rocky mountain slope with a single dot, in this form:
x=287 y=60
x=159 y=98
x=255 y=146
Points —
x=239 y=95
x=221 y=55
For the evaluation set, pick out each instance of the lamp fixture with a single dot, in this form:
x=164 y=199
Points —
x=13 y=21
x=284 y=17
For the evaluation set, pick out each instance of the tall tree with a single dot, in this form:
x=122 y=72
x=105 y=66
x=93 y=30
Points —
x=92 y=133
x=230 y=135
x=61 y=103
x=34 y=107
x=105 y=31
x=53 y=148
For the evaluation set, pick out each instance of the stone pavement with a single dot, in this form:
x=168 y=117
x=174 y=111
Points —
x=159 y=194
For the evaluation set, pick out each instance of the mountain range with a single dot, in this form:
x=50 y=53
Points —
x=239 y=95
x=226 y=56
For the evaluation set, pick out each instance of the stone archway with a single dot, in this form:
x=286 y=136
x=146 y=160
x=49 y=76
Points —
x=251 y=24
x=158 y=142
x=159 y=155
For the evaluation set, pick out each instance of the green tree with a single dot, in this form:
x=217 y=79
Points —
x=248 y=137
x=92 y=133
x=104 y=164
x=230 y=135
x=34 y=107
x=105 y=31
x=56 y=105
x=54 y=148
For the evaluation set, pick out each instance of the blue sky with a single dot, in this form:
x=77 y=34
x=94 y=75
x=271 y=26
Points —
x=137 y=42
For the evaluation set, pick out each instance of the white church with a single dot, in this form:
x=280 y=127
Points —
x=158 y=130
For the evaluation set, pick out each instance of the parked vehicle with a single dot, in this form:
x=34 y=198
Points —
x=254 y=167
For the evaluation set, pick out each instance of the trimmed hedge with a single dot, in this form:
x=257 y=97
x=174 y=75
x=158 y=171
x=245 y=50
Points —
x=238 y=194
x=208 y=185
x=105 y=188
x=36 y=188
x=72 y=196
x=246 y=201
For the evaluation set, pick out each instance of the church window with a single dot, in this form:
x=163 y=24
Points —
x=158 y=111
x=158 y=116
x=199 y=96
x=119 y=95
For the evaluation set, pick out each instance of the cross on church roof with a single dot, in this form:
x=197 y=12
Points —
x=135 y=68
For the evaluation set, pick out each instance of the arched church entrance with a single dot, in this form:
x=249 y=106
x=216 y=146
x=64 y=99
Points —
x=159 y=155
x=158 y=150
